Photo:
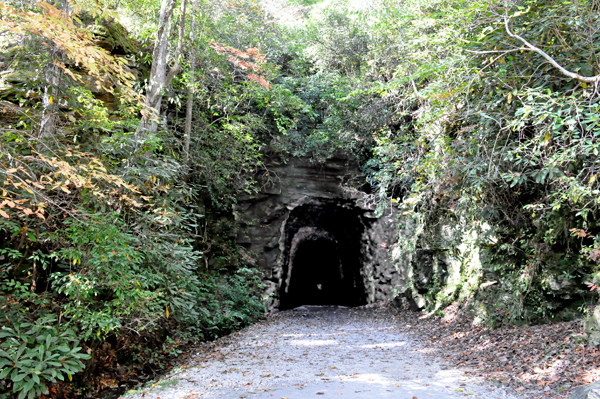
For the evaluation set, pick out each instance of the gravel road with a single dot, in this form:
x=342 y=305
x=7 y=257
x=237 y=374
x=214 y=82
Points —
x=324 y=352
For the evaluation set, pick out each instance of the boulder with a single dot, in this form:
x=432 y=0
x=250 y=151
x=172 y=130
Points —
x=591 y=391
x=591 y=326
x=560 y=284
x=14 y=84
x=9 y=112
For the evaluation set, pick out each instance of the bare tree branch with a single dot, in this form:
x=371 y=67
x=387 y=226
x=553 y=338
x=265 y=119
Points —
x=531 y=47
x=497 y=51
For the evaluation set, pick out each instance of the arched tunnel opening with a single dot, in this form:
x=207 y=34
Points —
x=323 y=260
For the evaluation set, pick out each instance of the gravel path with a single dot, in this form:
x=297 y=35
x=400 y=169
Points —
x=321 y=351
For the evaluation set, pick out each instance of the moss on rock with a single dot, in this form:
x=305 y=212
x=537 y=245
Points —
x=113 y=37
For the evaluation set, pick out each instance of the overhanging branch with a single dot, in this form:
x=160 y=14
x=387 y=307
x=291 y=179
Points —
x=531 y=47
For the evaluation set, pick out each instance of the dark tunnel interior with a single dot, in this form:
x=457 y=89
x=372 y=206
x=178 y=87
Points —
x=324 y=270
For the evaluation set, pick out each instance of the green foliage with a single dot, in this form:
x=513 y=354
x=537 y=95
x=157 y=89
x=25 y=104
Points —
x=33 y=354
x=102 y=261
x=227 y=304
x=93 y=115
x=452 y=119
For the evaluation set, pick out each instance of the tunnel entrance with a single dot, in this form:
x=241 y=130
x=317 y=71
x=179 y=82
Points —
x=323 y=260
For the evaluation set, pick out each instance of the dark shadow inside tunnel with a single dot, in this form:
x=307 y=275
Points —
x=317 y=276
x=323 y=256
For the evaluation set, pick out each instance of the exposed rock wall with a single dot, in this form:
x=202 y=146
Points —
x=284 y=187
x=392 y=257
x=301 y=201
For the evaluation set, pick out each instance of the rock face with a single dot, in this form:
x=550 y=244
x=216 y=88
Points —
x=315 y=239
x=591 y=391
x=591 y=327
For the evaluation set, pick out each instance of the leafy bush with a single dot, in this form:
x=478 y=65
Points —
x=33 y=354
x=227 y=303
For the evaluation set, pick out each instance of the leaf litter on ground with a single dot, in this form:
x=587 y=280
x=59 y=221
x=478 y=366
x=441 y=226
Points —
x=542 y=361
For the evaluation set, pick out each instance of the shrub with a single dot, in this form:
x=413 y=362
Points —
x=33 y=354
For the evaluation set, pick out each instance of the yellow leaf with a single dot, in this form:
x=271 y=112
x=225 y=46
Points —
x=547 y=138
x=138 y=283
x=509 y=99
x=167 y=311
x=74 y=261
x=592 y=179
x=70 y=377
x=66 y=190
x=50 y=100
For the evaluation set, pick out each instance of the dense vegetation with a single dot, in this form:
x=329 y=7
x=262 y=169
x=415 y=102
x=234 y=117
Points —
x=129 y=129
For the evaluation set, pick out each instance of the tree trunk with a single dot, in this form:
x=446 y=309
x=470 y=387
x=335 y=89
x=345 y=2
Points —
x=52 y=75
x=158 y=73
x=191 y=88
x=159 y=68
